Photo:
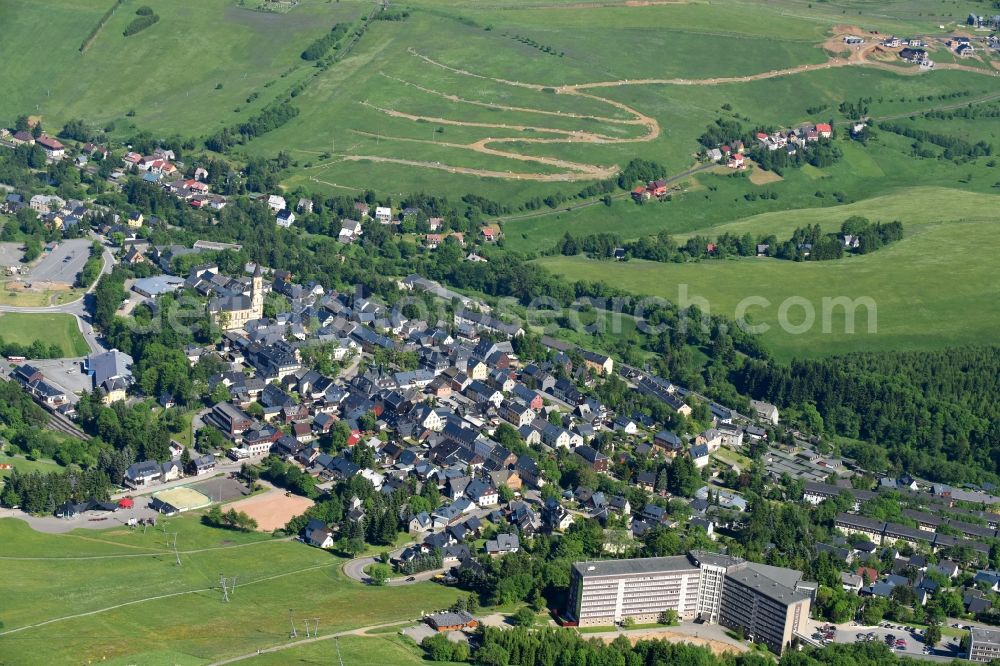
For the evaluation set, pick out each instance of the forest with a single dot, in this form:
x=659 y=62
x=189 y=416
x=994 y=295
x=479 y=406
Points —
x=932 y=414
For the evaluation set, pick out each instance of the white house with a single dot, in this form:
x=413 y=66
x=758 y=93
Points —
x=276 y=203
x=383 y=214
x=765 y=411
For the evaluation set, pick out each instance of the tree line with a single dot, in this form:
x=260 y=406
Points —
x=37 y=492
x=806 y=243
x=321 y=46
x=270 y=118
x=954 y=147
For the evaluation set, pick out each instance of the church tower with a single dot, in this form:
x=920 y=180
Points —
x=257 y=294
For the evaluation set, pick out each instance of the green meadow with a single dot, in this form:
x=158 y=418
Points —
x=117 y=596
x=933 y=289
x=169 y=75
x=51 y=329
x=459 y=97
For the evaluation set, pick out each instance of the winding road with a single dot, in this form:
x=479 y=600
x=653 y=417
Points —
x=566 y=170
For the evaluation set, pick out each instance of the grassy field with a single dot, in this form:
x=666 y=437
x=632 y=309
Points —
x=710 y=199
x=461 y=97
x=167 y=74
x=389 y=650
x=430 y=106
x=129 y=603
x=22 y=464
x=36 y=299
x=932 y=289
x=52 y=329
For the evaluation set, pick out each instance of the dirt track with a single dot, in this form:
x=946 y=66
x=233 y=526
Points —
x=857 y=57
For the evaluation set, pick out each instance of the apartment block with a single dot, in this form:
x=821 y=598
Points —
x=984 y=644
x=768 y=611
x=608 y=591
x=767 y=603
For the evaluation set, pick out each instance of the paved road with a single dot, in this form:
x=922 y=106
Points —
x=355 y=569
x=53 y=525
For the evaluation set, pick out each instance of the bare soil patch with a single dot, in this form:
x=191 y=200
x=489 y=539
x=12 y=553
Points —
x=272 y=510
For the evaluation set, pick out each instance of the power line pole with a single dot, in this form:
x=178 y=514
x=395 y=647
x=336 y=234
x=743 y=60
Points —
x=225 y=590
x=176 y=554
x=291 y=620
x=339 y=657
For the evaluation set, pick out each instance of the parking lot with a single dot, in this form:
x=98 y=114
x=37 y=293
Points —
x=912 y=637
x=10 y=254
x=221 y=488
x=62 y=264
x=66 y=374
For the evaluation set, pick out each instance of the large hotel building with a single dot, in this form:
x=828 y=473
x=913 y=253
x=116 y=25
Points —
x=767 y=603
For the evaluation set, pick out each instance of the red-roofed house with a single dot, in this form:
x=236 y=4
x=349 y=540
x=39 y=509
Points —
x=657 y=188
x=53 y=148
x=870 y=575
x=433 y=241
x=824 y=130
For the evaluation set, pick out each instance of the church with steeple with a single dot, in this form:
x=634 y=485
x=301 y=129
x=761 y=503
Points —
x=240 y=305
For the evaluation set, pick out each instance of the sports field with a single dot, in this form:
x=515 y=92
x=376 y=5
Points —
x=129 y=603
x=50 y=329
x=182 y=498
x=272 y=510
x=931 y=289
